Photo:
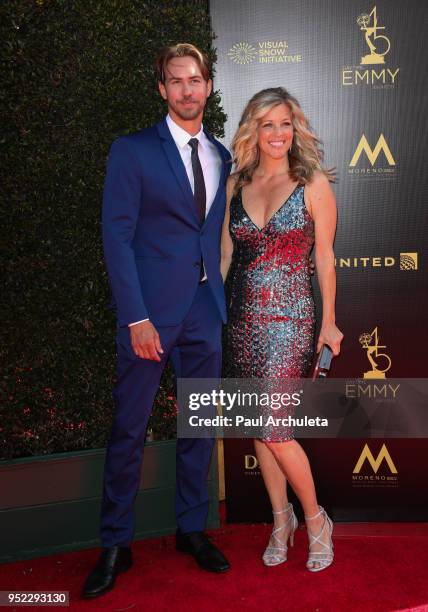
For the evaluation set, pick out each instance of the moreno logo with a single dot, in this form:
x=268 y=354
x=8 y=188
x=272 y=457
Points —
x=372 y=154
x=375 y=464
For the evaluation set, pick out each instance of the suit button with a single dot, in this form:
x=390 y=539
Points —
x=197 y=264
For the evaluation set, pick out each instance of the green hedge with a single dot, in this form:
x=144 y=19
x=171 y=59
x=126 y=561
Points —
x=76 y=75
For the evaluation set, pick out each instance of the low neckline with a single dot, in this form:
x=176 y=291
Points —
x=261 y=229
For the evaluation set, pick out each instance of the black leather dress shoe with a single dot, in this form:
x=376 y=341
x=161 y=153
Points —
x=112 y=562
x=206 y=554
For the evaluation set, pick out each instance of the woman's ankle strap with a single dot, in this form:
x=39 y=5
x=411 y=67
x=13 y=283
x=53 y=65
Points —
x=286 y=509
x=309 y=518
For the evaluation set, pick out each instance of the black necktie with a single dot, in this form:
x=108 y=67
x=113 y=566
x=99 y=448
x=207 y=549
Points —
x=199 y=183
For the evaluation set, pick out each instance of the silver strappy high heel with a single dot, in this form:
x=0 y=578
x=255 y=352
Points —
x=325 y=556
x=276 y=551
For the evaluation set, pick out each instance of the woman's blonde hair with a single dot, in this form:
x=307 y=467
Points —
x=305 y=155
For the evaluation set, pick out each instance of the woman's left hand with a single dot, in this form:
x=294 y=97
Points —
x=332 y=336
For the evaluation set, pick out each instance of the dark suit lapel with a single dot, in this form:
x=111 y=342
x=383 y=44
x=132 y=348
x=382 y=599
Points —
x=222 y=181
x=176 y=164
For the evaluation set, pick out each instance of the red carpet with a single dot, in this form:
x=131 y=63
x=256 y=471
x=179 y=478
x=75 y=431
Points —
x=375 y=572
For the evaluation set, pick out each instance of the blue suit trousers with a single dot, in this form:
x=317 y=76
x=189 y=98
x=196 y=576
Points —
x=197 y=344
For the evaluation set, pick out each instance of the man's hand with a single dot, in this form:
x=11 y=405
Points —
x=145 y=341
x=311 y=266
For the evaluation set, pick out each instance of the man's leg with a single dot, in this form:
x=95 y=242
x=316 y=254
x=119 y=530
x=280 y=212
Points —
x=136 y=387
x=199 y=346
x=199 y=357
x=137 y=383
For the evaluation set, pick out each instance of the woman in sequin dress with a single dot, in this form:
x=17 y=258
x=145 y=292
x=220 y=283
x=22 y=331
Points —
x=279 y=204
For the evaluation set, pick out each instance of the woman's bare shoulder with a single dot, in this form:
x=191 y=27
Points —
x=319 y=180
x=319 y=186
x=230 y=185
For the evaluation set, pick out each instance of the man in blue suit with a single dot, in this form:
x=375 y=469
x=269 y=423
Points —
x=164 y=203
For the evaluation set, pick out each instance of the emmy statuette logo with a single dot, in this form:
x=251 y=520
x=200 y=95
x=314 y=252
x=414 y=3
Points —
x=372 y=154
x=380 y=362
x=372 y=70
x=369 y=25
x=375 y=463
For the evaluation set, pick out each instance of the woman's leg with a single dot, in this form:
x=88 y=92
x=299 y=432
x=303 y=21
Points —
x=292 y=460
x=284 y=521
x=273 y=477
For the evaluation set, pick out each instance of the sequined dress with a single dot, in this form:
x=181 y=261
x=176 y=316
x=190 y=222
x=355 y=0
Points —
x=271 y=319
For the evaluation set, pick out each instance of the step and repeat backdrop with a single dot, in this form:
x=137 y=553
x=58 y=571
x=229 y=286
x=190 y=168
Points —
x=359 y=71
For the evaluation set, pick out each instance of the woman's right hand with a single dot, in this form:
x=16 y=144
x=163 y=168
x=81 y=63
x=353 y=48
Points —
x=331 y=335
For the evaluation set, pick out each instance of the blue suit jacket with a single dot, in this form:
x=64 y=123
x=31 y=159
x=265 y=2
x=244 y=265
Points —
x=151 y=234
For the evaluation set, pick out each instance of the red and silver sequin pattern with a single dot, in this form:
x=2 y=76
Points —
x=271 y=319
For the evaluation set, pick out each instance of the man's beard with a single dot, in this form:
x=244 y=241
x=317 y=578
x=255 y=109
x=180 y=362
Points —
x=189 y=113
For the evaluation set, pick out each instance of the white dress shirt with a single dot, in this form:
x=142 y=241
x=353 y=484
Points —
x=208 y=156
x=210 y=161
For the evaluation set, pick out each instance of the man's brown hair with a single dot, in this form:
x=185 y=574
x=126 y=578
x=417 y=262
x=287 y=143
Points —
x=182 y=50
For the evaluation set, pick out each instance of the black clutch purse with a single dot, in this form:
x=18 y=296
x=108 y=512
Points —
x=323 y=363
